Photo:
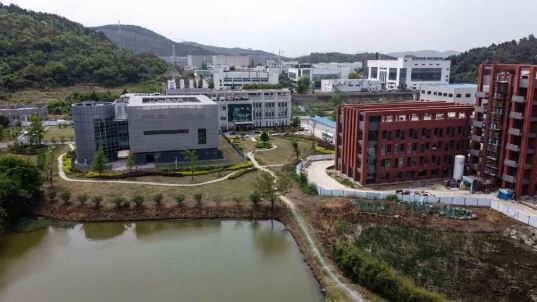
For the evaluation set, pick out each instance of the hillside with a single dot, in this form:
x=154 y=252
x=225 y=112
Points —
x=464 y=66
x=39 y=50
x=327 y=57
x=139 y=39
x=425 y=53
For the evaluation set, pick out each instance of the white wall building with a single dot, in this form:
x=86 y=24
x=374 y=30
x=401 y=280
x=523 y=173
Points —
x=198 y=61
x=238 y=61
x=350 y=85
x=317 y=73
x=225 y=80
x=410 y=72
x=456 y=93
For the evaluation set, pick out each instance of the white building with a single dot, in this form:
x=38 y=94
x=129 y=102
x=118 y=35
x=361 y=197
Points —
x=235 y=79
x=456 y=93
x=238 y=61
x=314 y=73
x=198 y=61
x=350 y=85
x=409 y=72
x=247 y=109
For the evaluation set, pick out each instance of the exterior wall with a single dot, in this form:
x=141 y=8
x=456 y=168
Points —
x=350 y=85
x=23 y=112
x=322 y=128
x=197 y=61
x=225 y=80
x=243 y=61
x=85 y=116
x=504 y=132
x=318 y=73
x=400 y=142
x=403 y=68
x=455 y=93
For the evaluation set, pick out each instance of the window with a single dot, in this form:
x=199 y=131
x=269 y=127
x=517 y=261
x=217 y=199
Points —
x=156 y=132
x=426 y=74
x=467 y=95
x=202 y=136
x=392 y=76
x=451 y=95
x=373 y=73
x=458 y=95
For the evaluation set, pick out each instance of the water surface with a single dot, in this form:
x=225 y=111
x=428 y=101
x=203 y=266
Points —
x=207 y=260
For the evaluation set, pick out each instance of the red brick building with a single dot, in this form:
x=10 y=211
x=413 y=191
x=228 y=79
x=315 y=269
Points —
x=385 y=143
x=504 y=131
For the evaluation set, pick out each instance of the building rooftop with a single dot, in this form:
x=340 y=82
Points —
x=167 y=100
x=324 y=121
x=456 y=85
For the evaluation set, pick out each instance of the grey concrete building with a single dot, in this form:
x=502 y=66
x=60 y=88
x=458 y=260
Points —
x=21 y=113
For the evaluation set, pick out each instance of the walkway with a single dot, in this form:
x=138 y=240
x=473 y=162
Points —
x=353 y=294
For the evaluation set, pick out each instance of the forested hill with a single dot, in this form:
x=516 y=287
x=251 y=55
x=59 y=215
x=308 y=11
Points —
x=327 y=57
x=464 y=66
x=45 y=50
x=139 y=39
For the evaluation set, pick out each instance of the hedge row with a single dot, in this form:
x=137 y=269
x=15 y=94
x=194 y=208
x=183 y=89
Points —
x=378 y=276
x=242 y=172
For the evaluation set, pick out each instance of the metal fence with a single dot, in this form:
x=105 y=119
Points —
x=447 y=200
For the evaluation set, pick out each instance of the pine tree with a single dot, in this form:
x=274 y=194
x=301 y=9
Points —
x=99 y=162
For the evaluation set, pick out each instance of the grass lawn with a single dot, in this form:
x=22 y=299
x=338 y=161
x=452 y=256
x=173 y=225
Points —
x=4 y=135
x=284 y=152
x=55 y=133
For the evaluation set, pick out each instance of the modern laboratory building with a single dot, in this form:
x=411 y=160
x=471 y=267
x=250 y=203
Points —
x=455 y=93
x=154 y=128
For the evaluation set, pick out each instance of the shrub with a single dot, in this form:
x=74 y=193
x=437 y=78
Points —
x=82 y=199
x=118 y=201
x=255 y=198
x=306 y=187
x=343 y=227
x=51 y=194
x=198 y=197
x=242 y=172
x=66 y=197
x=378 y=276
x=138 y=200
x=96 y=200
x=179 y=199
x=157 y=199
x=392 y=197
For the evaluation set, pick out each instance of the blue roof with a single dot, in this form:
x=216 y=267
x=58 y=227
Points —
x=324 y=121
x=455 y=85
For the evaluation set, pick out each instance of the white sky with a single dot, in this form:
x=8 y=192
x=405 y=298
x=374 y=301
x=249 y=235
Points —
x=300 y=26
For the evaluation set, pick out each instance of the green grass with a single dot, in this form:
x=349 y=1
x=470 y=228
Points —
x=284 y=151
x=55 y=133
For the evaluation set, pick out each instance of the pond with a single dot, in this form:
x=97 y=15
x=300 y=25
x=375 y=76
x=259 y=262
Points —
x=202 y=260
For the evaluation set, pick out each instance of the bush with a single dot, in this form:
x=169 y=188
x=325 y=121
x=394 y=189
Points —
x=66 y=197
x=82 y=199
x=198 y=197
x=51 y=195
x=263 y=145
x=306 y=187
x=343 y=227
x=119 y=201
x=378 y=276
x=157 y=199
x=179 y=199
x=392 y=197
x=242 y=172
x=255 y=199
x=138 y=200
x=97 y=200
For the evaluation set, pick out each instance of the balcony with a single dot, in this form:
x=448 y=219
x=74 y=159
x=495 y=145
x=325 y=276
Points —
x=474 y=152
x=518 y=99
x=512 y=147
x=476 y=138
x=478 y=124
x=508 y=178
x=516 y=115
x=513 y=131
x=510 y=163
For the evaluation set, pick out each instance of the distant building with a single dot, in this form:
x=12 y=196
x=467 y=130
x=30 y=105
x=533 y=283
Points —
x=247 y=109
x=156 y=129
x=21 y=113
x=176 y=60
x=314 y=73
x=237 y=61
x=198 y=61
x=409 y=72
x=262 y=59
x=504 y=130
x=350 y=85
x=396 y=142
x=235 y=79
x=455 y=93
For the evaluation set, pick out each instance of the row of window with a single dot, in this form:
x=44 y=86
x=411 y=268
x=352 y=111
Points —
x=458 y=95
x=422 y=148
x=416 y=161
x=423 y=132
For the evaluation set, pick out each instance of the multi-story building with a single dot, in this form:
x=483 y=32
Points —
x=244 y=109
x=154 y=128
x=237 y=61
x=386 y=143
x=235 y=79
x=350 y=85
x=317 y=73
x=409 y=72
x=455 y=93
x=504 y=130
x=21 y=113
x=198 y=61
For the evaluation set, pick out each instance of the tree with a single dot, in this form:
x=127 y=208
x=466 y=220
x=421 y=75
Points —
x=4 y=121
x=264 y=137
x=192 y=158
x=130 y=161
x=66 y=197
x=179 y=199
x=255 y=199
x=270 y=188
x=303 y=85
x=296 y=148
x=45 y=163
x=82 y=199
x=157 y=199
x=296 y=122
x=96 y=200
x=99 y=162
x=138 y=200
x=36 y=132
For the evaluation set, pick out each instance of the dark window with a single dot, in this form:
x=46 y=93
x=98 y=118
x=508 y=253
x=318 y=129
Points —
x=468 y=95
x=426 y=74
x=155 y=132
x=458 y=95
x=402 y=75
x=392 y=76
x=202 y=136
x=374 y=72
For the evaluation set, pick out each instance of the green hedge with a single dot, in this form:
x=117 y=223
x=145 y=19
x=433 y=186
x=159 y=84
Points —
x=378 y=276
x=242 y=172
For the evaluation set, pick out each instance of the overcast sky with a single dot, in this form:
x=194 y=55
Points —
x=302 y=26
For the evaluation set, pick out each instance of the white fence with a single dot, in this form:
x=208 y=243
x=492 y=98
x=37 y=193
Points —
x=448 y=200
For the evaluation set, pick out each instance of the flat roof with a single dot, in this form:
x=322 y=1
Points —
x=167 y=100
x=455 y=85
x=324 y=121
